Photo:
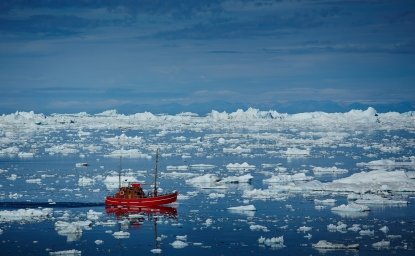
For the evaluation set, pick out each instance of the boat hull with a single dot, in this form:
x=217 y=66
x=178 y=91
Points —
x=142 y=202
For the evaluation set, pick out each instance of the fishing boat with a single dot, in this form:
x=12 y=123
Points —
x=133 y=194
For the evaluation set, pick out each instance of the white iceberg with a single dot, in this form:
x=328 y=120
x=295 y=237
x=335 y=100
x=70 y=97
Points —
x=178 y=244
x=328 y=170
x=25 y=215
x=323 y=244
x=351 y=208
x=274 y=242
x=121 y=234
x=242 y=208
x=237 y=179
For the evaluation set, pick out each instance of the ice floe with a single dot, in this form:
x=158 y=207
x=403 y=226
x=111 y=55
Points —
x=381 y=245
x=72 y=230
x=351 y=208
x=25 y=215
x=281 y=178
x=258 y=228
x=243 y=208
x=72 y=252
x=329 y=170
x=323 y=244
x=121 y=234
x=274 y=242
x=236 y=166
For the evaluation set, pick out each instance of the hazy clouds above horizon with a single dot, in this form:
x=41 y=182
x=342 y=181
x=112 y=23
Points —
x=94 y=54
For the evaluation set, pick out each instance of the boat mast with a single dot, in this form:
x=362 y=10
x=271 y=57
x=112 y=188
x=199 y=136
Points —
x=155 y=174
x=119 y=174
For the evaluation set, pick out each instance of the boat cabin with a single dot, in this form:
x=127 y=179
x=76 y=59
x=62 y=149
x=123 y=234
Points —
x=133 y=191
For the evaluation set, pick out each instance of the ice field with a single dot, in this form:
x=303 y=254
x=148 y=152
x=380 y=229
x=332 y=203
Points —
x=250 y=183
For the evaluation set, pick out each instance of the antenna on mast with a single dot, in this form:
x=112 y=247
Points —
x=155 y=173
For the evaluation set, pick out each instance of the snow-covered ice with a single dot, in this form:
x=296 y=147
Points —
x=323 y=244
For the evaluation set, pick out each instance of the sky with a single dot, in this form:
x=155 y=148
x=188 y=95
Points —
x=93 y=55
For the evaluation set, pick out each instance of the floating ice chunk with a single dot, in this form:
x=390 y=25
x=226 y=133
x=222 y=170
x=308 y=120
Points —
x=177 y=168
x=296 y=152
x=355 y=228
x=72 y=252
x=72 y=230
x=351 y=208
x=34 y=181
x=128 y=153
x=258 y=228
x=9 y=151
x=237 y=166
x=121 y=234
x=12 y=177
x=202 y=166
x=156 y=251
x=123 y=140
x=26 y=155
x=237 y=150
x=281 y=178
x=179 y=175
x=25 y=215
x=111 y=182
x=274 y=242
x=304 y=229
x=208 y=222
x=14 y=195
x=242 y=208
x=85 y=181
x=64 y=149
x=237 y=179
x=207 y=181
x=387 y=164
x=379 y=200
x=81 y=164
x=340 y=227
x=181 y=238
x=381 y=245
x=93 y=215
x=373 y=181
x=179 y=244
x=367 y=232
x=384 y=229
x=329 y=170
x=216 y=195
x=328 y=201
x=323 y=244
x=98 y=242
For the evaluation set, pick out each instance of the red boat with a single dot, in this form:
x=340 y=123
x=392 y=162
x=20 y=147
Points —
x=133 y=195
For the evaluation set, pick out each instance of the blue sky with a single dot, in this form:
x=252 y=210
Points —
x=95 y=55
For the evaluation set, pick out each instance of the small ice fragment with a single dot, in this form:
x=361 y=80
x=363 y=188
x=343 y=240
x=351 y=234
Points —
x=384 y=229
x=72 y=252
x=179 y=244
x=98 y=242
x=381 y=245
x=121 y=234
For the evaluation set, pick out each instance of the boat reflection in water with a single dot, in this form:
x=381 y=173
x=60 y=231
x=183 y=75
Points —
x=137 y=215
x=122 y=212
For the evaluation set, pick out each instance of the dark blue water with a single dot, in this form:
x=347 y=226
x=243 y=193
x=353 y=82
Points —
x=210 y=228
